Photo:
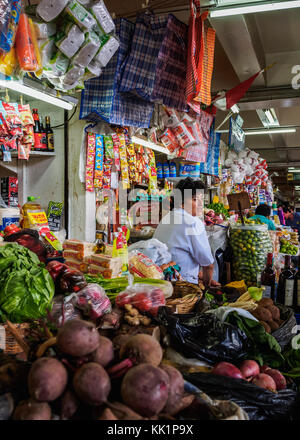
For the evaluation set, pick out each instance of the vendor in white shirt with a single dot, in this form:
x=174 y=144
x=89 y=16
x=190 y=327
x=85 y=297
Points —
x=185 y=235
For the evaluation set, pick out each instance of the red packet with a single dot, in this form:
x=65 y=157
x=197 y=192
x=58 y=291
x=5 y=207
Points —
x=90 y=162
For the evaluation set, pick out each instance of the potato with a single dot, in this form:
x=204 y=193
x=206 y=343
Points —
x=47 y=379
x=273 y=325
x=32 y=410
x=92 y=384
x=78 y=338
x=266 y=326
x=275 y=312
x=104 y=354
x=262 y=314
x=265 y=302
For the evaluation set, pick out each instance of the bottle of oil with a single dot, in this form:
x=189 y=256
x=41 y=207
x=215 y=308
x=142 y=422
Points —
x=99 y=245
x=29 y=206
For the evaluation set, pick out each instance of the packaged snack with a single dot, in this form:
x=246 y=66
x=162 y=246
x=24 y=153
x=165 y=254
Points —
x=39 y=70
x=144 y=297
x=169 y=140
x=25 y=47
x=103 y=17
x=8 y=35
x=107 y=51
x=106 y=262
x=77 y=265
x=79 y=246
x=103 y=271
x=106 y=174
x=54 y=215
x=142 y=266
x=10 y=113
x=183 y=135
x=123 y=162
x=98 y=176
x=48 y=10
x=90 y=161
x=81 y=15
x=88 y=50
x=8 y=62
x=109 y=147
x=46 y=48
x=131 y=159
x=5 y=10
x=72 y=41
x=44 y=30
x=93 y=301
x=72 y=255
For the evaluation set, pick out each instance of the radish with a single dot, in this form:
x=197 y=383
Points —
x=264 y=381
x=278 y=378
x=249 y=369
x=227 y=369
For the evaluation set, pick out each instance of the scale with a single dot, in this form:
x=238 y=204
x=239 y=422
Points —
x=239 y=202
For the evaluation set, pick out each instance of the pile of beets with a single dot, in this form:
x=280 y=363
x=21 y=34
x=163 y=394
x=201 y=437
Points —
x=264 y=377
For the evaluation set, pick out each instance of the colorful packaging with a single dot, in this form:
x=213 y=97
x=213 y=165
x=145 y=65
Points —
x=83 y=247
x=109 y=148
x=8 y=62
x=131 y=159
x=159 y=170
x=183 y=135
x=25 y=47
x=116 y=142
x=144 y=267
x=7 y=38
x=107 y=174
x=169 y=140
x=123 y=162
x=80 y=15
x=90 y=162
x=173 y=170
x=98 y=177
x=54 y=215
x=166 y=170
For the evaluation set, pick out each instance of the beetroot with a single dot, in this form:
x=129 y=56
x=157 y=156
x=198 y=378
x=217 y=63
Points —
x=176 y=390
x=264 y=381
x=69 y=405
x=264 y=368
x=104 y=354
x=47 y=379
x=227 y=369
x=278 y=378
x=78 y=338
x=138 y=349
x=249 y=369
x=32 y=410
x=145 y=389
x=91 y=384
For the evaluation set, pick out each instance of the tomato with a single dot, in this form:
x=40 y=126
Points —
x=122 y=299
x=142 y=302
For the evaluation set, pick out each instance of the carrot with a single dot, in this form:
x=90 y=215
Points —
x=24 y=46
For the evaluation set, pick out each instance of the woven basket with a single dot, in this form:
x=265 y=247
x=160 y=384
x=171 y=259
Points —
x=283 y=334
x=183 y=305
x=183 y=288
x=11 y=345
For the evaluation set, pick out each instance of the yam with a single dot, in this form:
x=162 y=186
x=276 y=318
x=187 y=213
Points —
x=275 y=312
x=92 y=384
x=266 y=326
x=32 y=410
x=265 y=302
x=104 y=354
x=273 y=325
x=47 y=379
x=78 y=338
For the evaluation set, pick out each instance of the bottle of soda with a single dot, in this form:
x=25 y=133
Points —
x=49 y=134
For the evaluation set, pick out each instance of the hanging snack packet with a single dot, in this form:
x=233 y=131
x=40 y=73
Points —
x=123 y=162
x=74 y=73
x=8 y=62
x=48 y=10
x=131 y=158
x=72 y=41
x=103 y=17
x=57 y=65
x=36 y=49
x=183 y=135
x=107 y=51
x=27 y=123
x=88 y=50
x=8 y=36
x=90 y=162
x=169 y=140
x=107 y=174
x=24 y=46
x=109 y=148
x=80 y=15
x=98 y=176
x=11 y=114
x=116 y=142
x=44 y=30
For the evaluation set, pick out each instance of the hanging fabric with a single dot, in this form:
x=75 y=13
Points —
x=211 y=166
x=140 y=67
x=101 y=98
x=170 y=76
x=198 y=153
x=201 y=49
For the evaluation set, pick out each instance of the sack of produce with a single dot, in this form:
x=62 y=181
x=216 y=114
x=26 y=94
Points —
x=259 y=403
x=204 y=336
x=93 y=301
x=250 y=244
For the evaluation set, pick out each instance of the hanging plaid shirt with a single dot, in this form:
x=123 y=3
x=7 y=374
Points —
x=101 y=99
x=170 y=80
x=140 y=68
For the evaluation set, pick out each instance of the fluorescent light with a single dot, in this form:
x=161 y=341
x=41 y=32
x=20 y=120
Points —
x=147 y=144
x=250 y=9
x=235 y=108
x=29 y=91
x=294 y=171
x=270 y=117
x=272 y=131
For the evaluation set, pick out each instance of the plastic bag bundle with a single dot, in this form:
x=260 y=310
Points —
x=103 y=17
x=48 y=10
x=63 y=310
x=250 y=244
x=88 y=50
x=93 y=301
x=44 y=30
x=80 y=15
x=144 y=297
x=71 y=42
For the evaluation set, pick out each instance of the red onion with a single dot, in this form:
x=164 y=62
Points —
x=264 y=381
x=249 y=369
x=278 y=378
x=227 y=369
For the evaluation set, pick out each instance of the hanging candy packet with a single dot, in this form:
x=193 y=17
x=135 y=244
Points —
x=8 y=62
x=131 y=158
x=8 y=36
x=183 y=135
x=98 y=176
x=107 y=174
x=109 y=148
x=11 y=114
x=169 y=140
x=90 y=162
x=116 y=142
x=123 y=162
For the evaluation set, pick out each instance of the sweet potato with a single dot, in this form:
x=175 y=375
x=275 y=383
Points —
x=176 y=390
x=275 y=312
x=69 y=405
x=47 y=379
x=104 y=354
x=273 y=325
x=266 y=302
x=266 y=326
x=32 y=410
x=78 y=338
x=262 y=314
x=145 y=389
x=92 y=384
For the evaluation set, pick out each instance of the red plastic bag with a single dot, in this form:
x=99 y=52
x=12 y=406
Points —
x=144 y=297
x=93 y=301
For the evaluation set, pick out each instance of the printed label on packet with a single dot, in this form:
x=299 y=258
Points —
x=123 y=162
x=109 y=147
x=116 y=142
x=98 y=176
x=90 y=162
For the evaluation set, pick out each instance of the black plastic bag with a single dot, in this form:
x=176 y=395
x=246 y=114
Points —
x=258 y=403
x=204 y=336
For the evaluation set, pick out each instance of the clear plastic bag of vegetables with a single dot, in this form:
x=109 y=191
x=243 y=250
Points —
x=93 y=301
x=63 y=310
x=250 y=245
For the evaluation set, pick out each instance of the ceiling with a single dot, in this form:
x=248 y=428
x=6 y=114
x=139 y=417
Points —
x=246 y=44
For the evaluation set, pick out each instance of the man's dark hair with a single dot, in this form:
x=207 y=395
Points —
x=264 y=210
x=287 y=209
x=188 y=184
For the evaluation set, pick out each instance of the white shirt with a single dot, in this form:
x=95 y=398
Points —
x=187 y=241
